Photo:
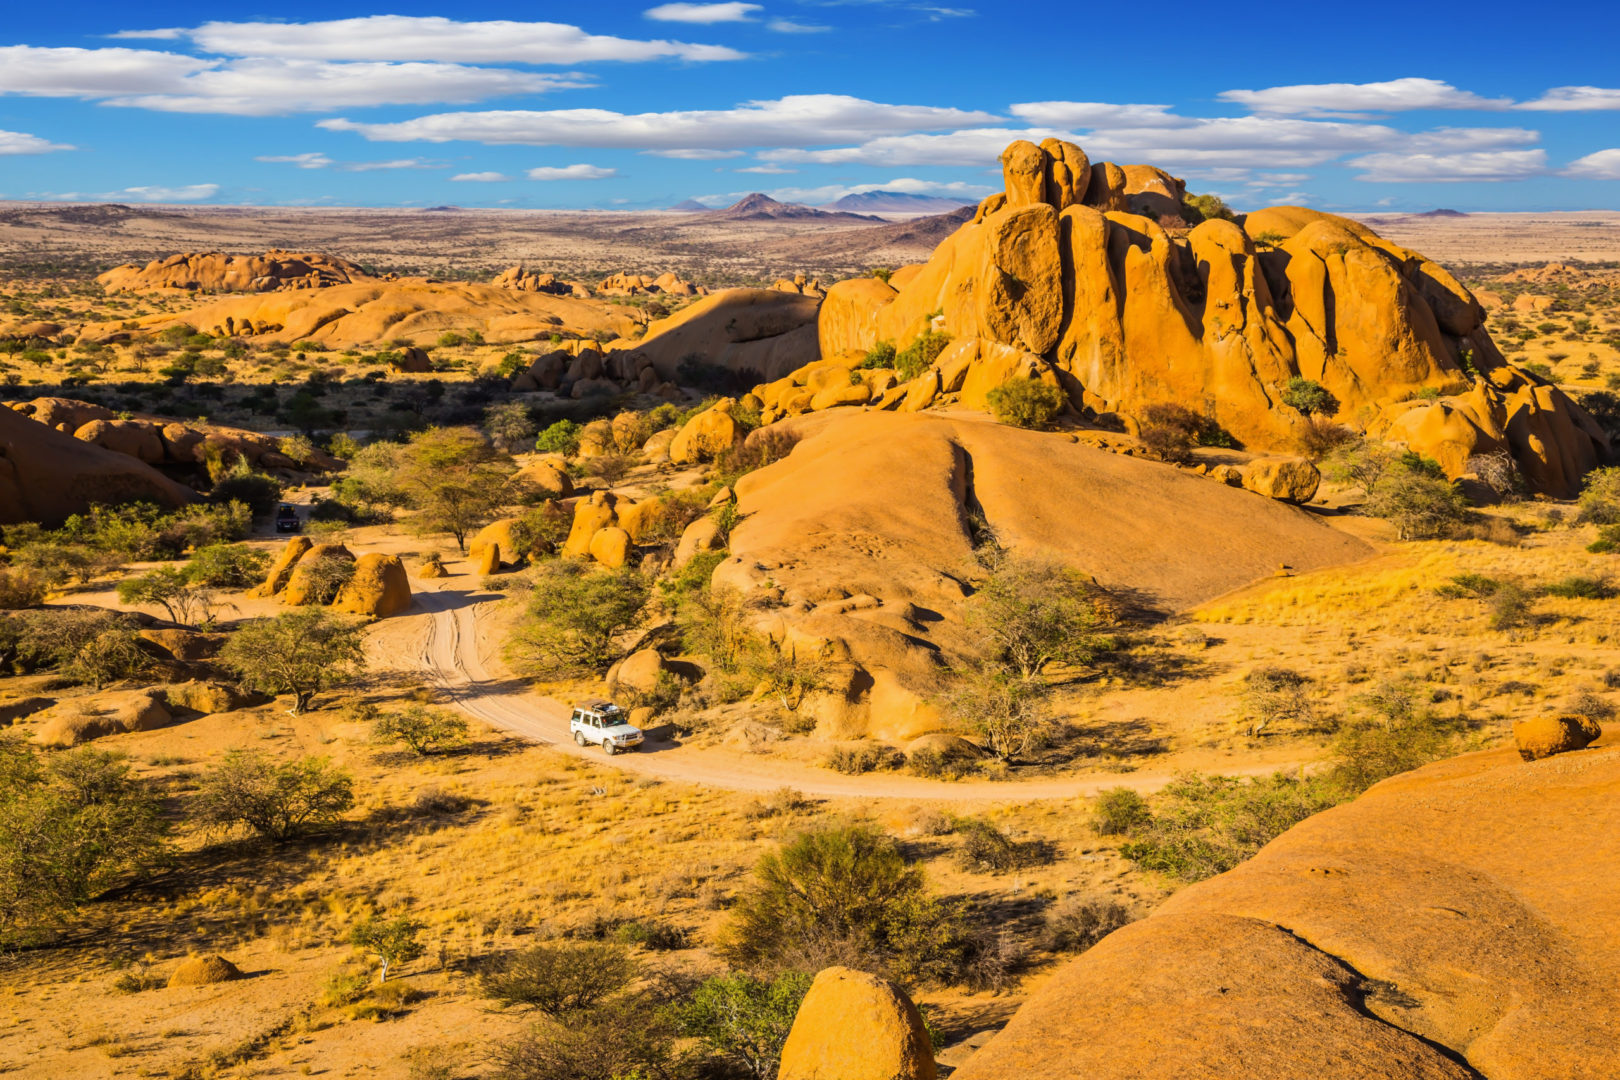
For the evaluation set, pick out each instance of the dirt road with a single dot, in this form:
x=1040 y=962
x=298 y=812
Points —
x=447 y=649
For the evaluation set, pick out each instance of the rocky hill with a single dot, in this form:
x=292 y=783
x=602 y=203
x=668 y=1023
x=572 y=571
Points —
x=1218 y=318
x=896 y=202
x=214 y=272
x=761 y=207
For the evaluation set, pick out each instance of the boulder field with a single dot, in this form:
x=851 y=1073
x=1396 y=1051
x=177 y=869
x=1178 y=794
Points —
x=411 y=310
x=47 y=475
x=1453 y=922
x=864 y=560
x=1057 y=278
x=160 y=441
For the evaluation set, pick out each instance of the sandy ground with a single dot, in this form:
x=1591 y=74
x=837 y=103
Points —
x=1574 y=236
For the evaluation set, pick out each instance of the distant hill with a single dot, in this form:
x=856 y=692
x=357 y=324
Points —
x=761 y=207
x=1441 y=213
x=691 y=204
x=896 y=202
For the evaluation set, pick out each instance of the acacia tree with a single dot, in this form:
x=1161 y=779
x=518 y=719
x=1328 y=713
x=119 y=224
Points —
x=1036 y=612
x=576 y=617
x=300 y=653
x=71 y=825
x=454 y=479
x=275 y=800
x=391 y=941
x=1009 y=712
x=187 y=601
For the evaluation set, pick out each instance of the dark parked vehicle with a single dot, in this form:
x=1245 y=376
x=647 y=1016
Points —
x=287 y=519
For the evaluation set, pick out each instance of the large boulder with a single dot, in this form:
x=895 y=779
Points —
x=546 y=479
x=1291 y=479
x=215 y=272
x=379 y=588
x=1452 y=922
x=310 y=576
x=205 y=697
x=105 y=714
x=855 y=1026
x=48 y=476
x=611 y=547
x=641 y=670
x=763 y=331
x=1544 y=736
x=708 y=434
x=183 y=645
x=281 y=568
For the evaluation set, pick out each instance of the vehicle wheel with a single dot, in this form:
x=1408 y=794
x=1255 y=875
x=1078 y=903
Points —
x=579 y=739
x=607 y=748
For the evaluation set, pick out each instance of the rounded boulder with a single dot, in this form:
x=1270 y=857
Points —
x=855 y=1026
x=1544 y=736
x=378 y=588
x=1289 y=479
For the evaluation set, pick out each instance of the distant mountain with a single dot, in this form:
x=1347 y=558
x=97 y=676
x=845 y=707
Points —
x=896 y=202
x=440 y=209
x=691 y=204
x=1442 y=213
x=761 y=207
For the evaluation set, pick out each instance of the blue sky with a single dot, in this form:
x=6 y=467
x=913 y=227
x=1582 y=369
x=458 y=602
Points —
x=1404 y=106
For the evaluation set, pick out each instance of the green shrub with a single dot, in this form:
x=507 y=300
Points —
x=920 y=355
x=575 y=618
x=986 y=848
x=560 y=978
x=880 y=355
x=863 y=757
x=275 y=800
x=560 y=438
x=425 y=731
x=228 y=566
x=1117 y=811
x=1580 y=587
x=1026 y=403
x=1608 y=540
x=1076 y=923
x=1600 y=498
x=743 y=1020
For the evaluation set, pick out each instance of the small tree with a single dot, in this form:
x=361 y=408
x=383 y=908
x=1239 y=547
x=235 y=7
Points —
x=576 y=616
x=187 y=601
x=227 y=566
x=509 y=424
x=300 y=653
x=1009 y=712
x=71 y=826
x=1309 y=397
x=1026 y=403
x=1035 y=612
x=786 y=671
x=1600 y=498
x=391 y=941
x=562 y=977
x=425 y=731
x=745 y=1020
x=276 y=801
x=454 y=479
x=1418 y=500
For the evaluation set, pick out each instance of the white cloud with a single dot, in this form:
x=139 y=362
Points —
x=1091 y=114
x=254 y=86
x=1574 y=99
x=790 y=26
x=703 y=14
x=397 y=163
x=767 y=170
x=17 y=142
x=1603 y=165
x=1490 y=165
x=1346 y=99
x=166 y=33
x=571 y=172
x=797 y=120
x=481 y=177
x=303 y=161
x=695 y=155
x=827 y=193
x=187 y=194
x=405 y=37
x=972 y=146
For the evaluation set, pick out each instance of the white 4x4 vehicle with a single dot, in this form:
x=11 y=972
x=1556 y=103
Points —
x=603 y=723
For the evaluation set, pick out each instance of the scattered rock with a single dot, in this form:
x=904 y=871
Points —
x=488 y=559
x=183 y=645
x=711 y=432
x=205 y=697
x=304 y=582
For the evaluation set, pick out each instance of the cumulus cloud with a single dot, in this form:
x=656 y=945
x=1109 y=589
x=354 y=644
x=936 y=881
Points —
x=703 y=14
x=1603 y=165
x=1347 y=99
x=1071 y=115
x=792 y=26
x=804 y=119
x=1574 y=99
x=695 y=155
x=481 y=177
x=407 y=37
x=254 y=86
x=17 y=142
x=571 y=172
x=767 y=170
x=1490 y=165
x=396 y=163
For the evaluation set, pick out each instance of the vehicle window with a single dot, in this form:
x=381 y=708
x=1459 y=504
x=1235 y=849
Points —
x=577 y=714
